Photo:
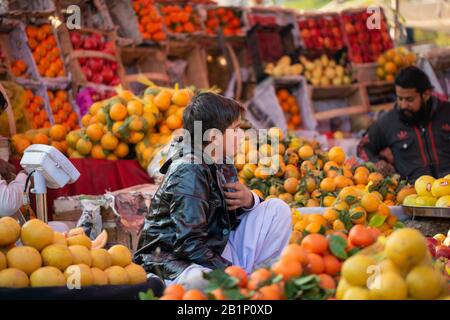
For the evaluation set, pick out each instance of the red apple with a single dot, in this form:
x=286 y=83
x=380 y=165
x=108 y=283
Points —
x=442 y=251
x=305 y=33
x=311 y=23
x=97 y=78
x=87 y=73
x=349 y=28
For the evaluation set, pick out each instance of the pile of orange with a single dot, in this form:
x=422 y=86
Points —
x=180 y=19
x=46 y=53
x=291 y=109
x=150 y=22
x=390 y=62
x=19 y=68
x=62 y=110
x=54 y=136
x=35 y=111
x=225 y=19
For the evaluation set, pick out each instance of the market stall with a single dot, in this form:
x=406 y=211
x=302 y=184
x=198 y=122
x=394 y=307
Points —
x=109 y=95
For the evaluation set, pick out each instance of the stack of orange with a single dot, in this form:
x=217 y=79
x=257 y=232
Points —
x=62 y=110
x=291 y=109
x=150 y=22
x=180 y=19
x=224 y=19
x=19 y=68
x=35 y=111
x=54 y=136
x=46 y=53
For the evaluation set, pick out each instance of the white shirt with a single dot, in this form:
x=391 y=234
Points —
x=11 y=195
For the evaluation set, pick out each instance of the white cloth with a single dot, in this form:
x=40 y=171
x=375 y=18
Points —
x=257 y=242
x=11 y=195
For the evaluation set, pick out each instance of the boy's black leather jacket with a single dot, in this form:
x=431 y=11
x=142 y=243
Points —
x=188 y=221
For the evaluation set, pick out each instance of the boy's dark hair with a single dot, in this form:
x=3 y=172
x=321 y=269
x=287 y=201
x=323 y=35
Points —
x=413 y=78
x=213 y=110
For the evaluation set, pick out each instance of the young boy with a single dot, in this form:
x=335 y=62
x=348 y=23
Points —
x=201 y=217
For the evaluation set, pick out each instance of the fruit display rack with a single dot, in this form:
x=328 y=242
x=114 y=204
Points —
x=379 y=95
x=430 y=212
x=350 y=97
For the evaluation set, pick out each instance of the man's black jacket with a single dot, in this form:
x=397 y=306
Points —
x=188 y=221
x=419 y=149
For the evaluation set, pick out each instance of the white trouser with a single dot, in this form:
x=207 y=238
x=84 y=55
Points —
x=257 y=242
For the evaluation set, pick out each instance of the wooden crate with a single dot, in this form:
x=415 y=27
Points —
x=350 y=96
x=147 y=61
x=196 y=72
x=379 y=95
x=364 y=72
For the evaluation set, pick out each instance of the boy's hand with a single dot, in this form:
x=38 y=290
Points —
x=242 y=197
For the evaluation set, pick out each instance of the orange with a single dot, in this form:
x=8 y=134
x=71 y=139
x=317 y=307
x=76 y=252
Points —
x=291 y=171
x=307 y=166
x=97 y=152
x=313 y=227
x=327 y=185
x=126 y=95
x=375 y=178
x=337 y=155
x=85 y=120
x=315 y=243
x=194 y=294
x=370 y=202
x=40 y=138
x=169 y=297
x=181 y=97
x=361 y=236
x=311 y=184
x=118 y=112
x=360 y=177
x=358 y=215
x=162 y=100
x=330 y=165
x=174 y=122
x=58 y=132
x=291 y=185
x=332 y=265
x=330 y=214
x=271 y=292
x=135 y=107
x=94 y=132
x=258 y=277
x=294 y=252
x=174 y=290
x=327 y=282
x=311 y=203
x=288 y=269
x=109 y=141
x=383 y=210
x=315 y=217
x=315 y=264
x=101 y=116
x=238 y=273
x=122 y=150
x=306 y=152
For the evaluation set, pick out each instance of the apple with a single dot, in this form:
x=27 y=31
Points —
x=443 y=251
x=87 y=72
x=97 y=78
x=432 y=243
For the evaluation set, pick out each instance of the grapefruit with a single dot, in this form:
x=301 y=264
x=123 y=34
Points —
x=117 y=275
x=3 y=263
x=13 y=278
x=441 y=187
x=100 y=277
x=79 y=274
x=81 y=240
x=9 y=231
x=406 y=248
x=81 y=255
x=424 y=283
x=37 y=234
x=101 y=259
x=121 y=255
x=355 y=269
x=57 y=255
x=59 y=238
x=388 y=286
x=24 y=258
x=423 y=185
x=136 y=274
x=443 y=202
x=356 y=293
x=47 y=277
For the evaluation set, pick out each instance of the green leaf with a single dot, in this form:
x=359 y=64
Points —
x=277 y=279
x=398 y=225
x=353 y=251
x=149 y=295
x=357 y=215
x=322 y=230
x=304 y=280
x=377 y=221
x=350 y=199
x=233 y=294
x=337 y=246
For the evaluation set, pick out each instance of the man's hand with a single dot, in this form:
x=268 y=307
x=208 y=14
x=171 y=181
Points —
x=7 y=170
x=242 y=197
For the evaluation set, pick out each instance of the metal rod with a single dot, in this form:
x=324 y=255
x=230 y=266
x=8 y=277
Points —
x=41 y=207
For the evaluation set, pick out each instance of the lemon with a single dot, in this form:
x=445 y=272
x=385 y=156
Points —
x=424 y=283
x=356 y=293
x=406 y=248
x=355 y=269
